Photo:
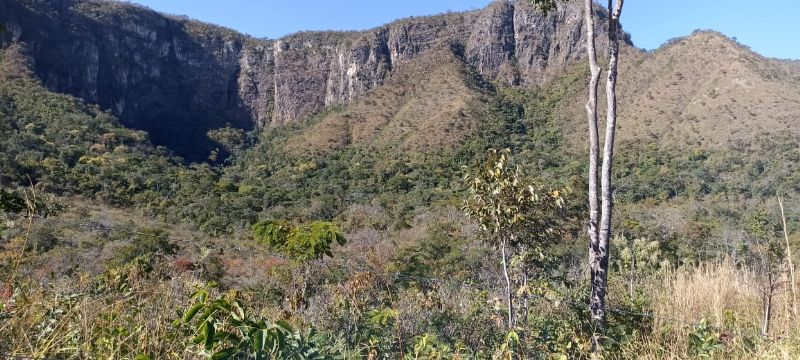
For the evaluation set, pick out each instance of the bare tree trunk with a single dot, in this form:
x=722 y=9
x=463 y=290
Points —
x=595 y=299
x=789 y=260
x=599 y=249
x=611 y=126
x=509 y=294
x=525 y=305
x=768 y=292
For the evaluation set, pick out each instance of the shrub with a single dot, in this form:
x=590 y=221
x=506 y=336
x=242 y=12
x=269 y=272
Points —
x=221 y=328
x=303 y=243
x=146 y=244
x=42 y=239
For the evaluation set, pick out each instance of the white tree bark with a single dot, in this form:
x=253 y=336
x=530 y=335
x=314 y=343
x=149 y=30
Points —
x=509 y=290
x=599 y=238
x=596 y=301
x=789 y=261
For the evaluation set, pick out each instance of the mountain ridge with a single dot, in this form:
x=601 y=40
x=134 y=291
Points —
x=167 y=75
x=186 y=78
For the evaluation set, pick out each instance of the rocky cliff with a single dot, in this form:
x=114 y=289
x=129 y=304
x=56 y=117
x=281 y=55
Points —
x=179 y=78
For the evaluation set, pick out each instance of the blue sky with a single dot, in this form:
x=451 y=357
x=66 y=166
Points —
x=769 y=27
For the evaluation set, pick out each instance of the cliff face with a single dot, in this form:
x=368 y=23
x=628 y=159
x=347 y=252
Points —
x=179 y=78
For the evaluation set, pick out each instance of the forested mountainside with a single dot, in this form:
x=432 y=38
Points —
x=138 y=150
x=172 y=76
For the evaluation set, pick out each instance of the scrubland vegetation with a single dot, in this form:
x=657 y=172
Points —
x=111 y=248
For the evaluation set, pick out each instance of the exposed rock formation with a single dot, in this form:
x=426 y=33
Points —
x=179 y=78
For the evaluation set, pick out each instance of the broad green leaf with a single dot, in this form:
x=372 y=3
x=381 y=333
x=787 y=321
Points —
x=191 y=312
x=225 y=354
x=222 y=336
x=209 y=335
x=284 y=325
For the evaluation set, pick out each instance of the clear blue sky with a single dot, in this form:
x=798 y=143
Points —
x=769 y=27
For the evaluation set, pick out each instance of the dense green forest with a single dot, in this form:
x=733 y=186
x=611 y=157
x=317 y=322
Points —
x=112 y=247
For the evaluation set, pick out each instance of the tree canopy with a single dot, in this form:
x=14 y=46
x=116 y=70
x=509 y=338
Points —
x=306 y=242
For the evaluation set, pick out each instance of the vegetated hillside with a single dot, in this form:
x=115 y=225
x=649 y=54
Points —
x=703 y=90
x=120 y=232
x=151 y=71
x=706 y=90
x=702 y=119
x=66 y=147
x=708 y=103
x=177 y=78
x=433 y=102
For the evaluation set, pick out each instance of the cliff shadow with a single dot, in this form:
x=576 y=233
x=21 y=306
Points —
x=173 y=78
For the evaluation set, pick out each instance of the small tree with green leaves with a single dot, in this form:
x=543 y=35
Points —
x=513 y=211
x=221 y=328
x=635 y=258
x=765 y=255
x=302 y=244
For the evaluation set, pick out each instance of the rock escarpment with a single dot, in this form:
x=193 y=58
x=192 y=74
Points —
x=179 y=78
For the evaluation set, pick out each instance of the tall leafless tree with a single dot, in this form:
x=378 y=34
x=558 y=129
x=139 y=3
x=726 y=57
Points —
x=597 y=298
x=600 y=233
x=600 y=204
x=789 y=261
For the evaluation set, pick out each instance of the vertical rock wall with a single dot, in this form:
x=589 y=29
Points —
x=179 y=78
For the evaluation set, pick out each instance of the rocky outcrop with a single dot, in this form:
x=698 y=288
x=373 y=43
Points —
x=179 y=78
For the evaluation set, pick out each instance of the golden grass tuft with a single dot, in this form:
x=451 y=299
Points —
x=729 y=298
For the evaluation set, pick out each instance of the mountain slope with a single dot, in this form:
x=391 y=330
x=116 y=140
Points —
x=701 y=119
x=64 y=146
x=706 y=90
x=430 y=103
x=397 y=115
x=178 y=78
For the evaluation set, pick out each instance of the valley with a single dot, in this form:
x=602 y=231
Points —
x=147 y=157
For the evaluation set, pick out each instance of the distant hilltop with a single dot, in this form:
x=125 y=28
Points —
x=163 y=73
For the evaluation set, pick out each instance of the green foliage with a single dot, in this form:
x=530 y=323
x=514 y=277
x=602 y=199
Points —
x=652 y=173
x=221 y=328
x=636 y=257
x=507 y=348
x=11 y=201
x=704 y=340
x=505 y=202
x=437 y=253
x=231 y=141
x=306 y=242
x=382 y=317
x=273 y=233
x=427 y=346
x=145 y=245
x=521 y=220
x=67 y=147
x=546 y=5
x=759 y=226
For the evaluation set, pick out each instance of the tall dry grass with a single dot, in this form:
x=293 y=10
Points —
x=76 y=321
x=730 y=299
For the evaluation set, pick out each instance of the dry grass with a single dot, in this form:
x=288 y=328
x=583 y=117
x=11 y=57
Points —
x=702 y=90
x=728 y=297
x=68 y=321
x=428 y=104
x=708 y=291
